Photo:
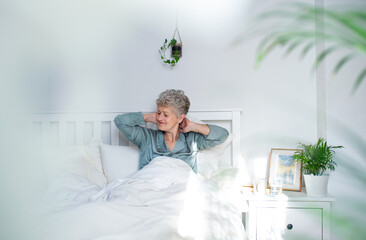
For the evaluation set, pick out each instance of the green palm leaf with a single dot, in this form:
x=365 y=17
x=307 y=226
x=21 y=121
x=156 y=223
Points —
x=322 y=56
x=294 y=25
x=341 y=62
x=359 y=79
x=348 y=23
x=306 y=49
x=293 y=46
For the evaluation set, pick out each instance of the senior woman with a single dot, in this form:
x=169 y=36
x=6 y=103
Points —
x=176 y=137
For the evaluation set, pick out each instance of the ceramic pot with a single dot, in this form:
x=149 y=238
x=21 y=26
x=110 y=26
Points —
x=178 y=47
x=316 y=186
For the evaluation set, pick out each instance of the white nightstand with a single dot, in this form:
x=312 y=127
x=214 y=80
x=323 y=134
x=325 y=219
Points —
x=291 y=215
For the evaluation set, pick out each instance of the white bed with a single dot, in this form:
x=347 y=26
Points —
x=94 y=190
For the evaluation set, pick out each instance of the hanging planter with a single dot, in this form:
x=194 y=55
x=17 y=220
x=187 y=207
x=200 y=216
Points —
x=176 y=50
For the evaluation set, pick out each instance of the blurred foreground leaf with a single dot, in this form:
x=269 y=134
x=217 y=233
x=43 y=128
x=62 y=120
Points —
x=298 y=25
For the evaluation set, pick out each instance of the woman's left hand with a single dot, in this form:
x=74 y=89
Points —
x=188 y=126
x=185 y=126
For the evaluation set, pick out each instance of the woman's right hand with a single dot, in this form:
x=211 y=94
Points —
x=150 y=117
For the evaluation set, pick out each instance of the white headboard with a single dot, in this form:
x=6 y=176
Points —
x=62 y=129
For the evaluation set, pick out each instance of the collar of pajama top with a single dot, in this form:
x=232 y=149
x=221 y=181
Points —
x=179 y=145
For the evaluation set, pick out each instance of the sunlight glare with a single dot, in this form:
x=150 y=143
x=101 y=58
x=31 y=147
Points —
x=191 y=220
x=273 y=220
x=260 y=167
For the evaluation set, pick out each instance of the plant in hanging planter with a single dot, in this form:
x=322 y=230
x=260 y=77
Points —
x=315 y=160
x=176 y=51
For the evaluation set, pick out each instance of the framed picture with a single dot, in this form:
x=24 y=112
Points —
x=283 y=166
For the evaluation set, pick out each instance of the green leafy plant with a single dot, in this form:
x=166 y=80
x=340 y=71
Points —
x=316 y=158
x=302 y=26
x=165 y=47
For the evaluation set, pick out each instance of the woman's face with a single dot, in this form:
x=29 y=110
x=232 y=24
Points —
x=167 y=120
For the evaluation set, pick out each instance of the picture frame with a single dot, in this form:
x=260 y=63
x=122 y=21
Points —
x=283 y=166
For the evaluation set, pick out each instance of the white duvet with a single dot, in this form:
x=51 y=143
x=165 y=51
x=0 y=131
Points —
x=164 y=200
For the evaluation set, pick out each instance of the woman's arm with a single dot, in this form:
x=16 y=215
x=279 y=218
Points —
x=188 y=126
x=209 y=135
x=130 y=126
x=150 y=117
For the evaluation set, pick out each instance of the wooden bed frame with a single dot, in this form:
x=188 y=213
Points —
x=67 y=129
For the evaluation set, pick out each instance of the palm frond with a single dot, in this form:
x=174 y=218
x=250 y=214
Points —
x=359 y=79
x=341 y=63
x=293 y=46
x=294 y=25
x=281 y=39
x=357 y=14
x=264 y=42
x=266 y=51
x=306 y=49
x=320 y=58
x=347 y=23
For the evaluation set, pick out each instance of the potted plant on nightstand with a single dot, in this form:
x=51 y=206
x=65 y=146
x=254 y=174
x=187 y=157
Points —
x=316 y=159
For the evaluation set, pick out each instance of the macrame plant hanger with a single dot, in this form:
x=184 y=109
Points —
x=174 y=45
x=178 y=46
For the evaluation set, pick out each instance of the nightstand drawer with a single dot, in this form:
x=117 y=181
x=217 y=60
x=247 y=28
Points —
x=289 y=223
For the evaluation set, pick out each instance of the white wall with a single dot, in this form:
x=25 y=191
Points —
x=103 y=56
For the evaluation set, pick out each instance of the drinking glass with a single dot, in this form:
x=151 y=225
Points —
x=259 y=186
x=275 y=185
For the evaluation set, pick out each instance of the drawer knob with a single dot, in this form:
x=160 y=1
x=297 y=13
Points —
x=289 y=226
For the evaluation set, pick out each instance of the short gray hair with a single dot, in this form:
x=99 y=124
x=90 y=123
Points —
x=176 y=99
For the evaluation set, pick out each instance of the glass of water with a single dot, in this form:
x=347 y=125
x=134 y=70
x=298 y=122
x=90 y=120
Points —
x=259 y=186
x=275 y=184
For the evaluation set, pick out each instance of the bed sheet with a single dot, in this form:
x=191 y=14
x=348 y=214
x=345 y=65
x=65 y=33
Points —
x=164 y=200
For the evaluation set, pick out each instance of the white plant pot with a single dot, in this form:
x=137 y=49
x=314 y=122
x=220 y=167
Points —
x=316 y=186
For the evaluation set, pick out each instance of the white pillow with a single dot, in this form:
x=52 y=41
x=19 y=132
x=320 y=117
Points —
x=119 y=161
x=208 y=160
x=79 y=160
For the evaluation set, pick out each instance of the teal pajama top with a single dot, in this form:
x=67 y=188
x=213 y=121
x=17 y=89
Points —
x=152 y=143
